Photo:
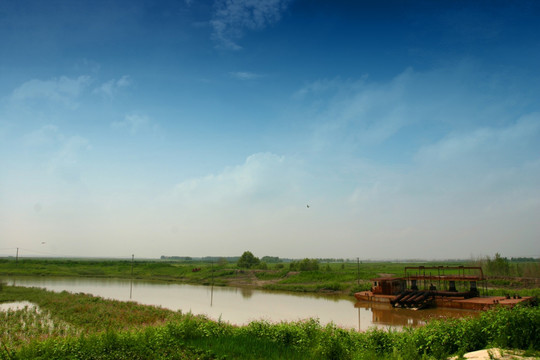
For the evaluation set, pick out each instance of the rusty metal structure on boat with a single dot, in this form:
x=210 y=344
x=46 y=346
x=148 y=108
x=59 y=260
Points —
x=446 y=286
x=445 y=277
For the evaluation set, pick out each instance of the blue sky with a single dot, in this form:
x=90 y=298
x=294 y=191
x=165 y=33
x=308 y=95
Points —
x=411 y=128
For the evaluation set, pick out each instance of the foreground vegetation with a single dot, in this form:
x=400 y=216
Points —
x=87 y=327
x=308 y=275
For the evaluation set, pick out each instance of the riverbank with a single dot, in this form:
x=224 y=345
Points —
x=337 y=278
x=65 y=325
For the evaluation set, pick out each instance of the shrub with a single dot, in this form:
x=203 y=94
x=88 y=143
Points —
x=304 y=265
x=248 y=260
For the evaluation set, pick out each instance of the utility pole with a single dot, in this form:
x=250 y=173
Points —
x=212 y=287
x=17 y=256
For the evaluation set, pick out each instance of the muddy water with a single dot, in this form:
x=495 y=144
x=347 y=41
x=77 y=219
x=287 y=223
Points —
x=17 y=305
x=240 y=306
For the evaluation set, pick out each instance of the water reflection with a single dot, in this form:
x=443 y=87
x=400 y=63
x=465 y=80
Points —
x=246 y=292
x=387 y=316
x=242 y=305
x=17 y=305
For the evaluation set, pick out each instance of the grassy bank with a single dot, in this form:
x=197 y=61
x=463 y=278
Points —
x=337 y=277
x=87 y=327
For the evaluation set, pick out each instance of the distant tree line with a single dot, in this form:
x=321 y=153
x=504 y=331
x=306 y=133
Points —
x=216 y=259
x=250 y=261
x=501 y=266
x=304 y=265
x=524 y=259
x=266 y=259
x=271 y=259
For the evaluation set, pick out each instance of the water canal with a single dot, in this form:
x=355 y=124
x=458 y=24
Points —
x=241 y=305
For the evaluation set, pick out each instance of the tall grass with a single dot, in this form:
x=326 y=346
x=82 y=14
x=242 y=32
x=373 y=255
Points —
x=162 y=334
x=195 y=336
x=89 y=313
x=502 y=266
x=18 y=327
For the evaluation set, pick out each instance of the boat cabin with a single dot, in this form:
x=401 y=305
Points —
x=388 y=285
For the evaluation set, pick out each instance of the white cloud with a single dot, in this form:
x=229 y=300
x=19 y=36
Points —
x=3 y=128
x=264 y=177
x=133 y=123
x=63 y=90
x=233 y=17
x=493 y=144
x=245 y=75
x=261 y=201
x=45 y=136
x=363 y=114
x=65 y=161
x=443 y=159
x=359 y=113
x=470 y=166
x=111 y=87
x=317 y=87
x=58 y=153
x=473 y=190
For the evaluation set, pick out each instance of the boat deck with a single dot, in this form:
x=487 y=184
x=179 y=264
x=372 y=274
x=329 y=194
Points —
x=476 y=303
x=369 y=296
x=481 y=303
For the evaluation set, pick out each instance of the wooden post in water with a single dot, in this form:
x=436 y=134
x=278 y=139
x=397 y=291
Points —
x=359 y=325
x=212 y=270
x=358 y=270
x=131 y=282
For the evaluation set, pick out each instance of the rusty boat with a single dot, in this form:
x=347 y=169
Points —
x=421 y=287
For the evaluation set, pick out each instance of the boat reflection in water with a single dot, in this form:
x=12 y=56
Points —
x=383 y=315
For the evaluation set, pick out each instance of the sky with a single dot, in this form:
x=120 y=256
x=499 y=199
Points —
x=206 y=128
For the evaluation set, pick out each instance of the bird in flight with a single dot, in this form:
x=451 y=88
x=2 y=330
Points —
x=307 y=206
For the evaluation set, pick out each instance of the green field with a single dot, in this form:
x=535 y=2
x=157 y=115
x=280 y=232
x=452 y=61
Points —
x=81 y=326
x=329 y=277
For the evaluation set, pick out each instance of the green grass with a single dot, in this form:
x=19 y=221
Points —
x=340 y=277
x=86 y=327
x=87 y=312
x=19 y=327
x=512 y=292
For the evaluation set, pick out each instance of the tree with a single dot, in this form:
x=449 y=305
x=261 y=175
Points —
x=248 y=260
x=270 y=259
x=304 y=265
x=498 y=266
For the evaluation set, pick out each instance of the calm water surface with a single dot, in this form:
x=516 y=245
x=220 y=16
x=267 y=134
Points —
x=240 y=305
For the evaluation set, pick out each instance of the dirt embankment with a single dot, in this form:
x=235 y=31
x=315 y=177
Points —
x=261 y=279
x=248 y=278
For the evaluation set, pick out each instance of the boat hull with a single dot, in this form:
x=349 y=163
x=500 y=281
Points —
x=474 y=303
